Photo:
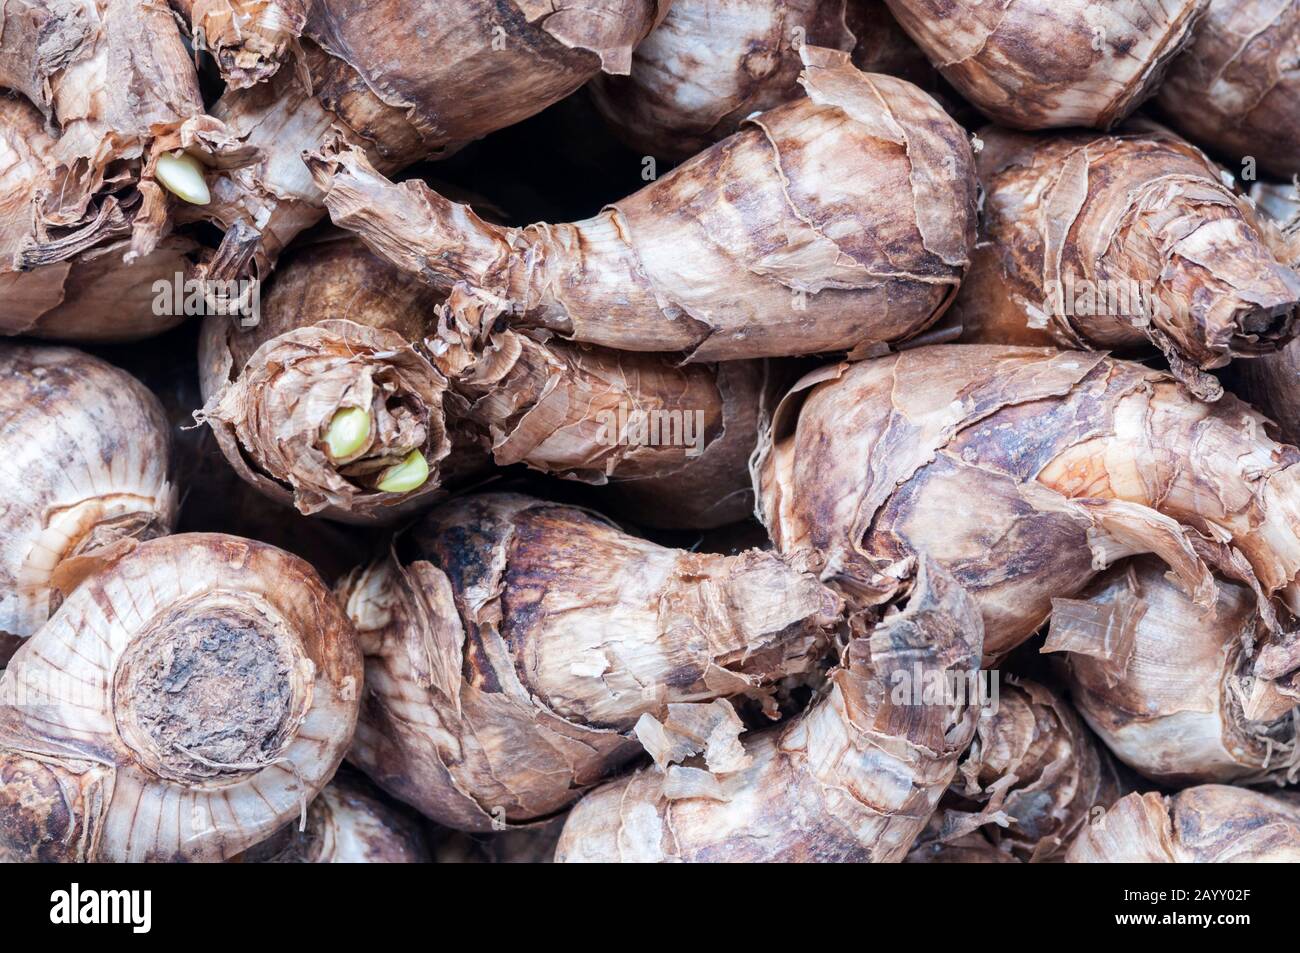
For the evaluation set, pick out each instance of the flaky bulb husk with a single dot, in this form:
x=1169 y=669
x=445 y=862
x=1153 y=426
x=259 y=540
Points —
x=710 y=64
x=508 y=663
x=853 y=778
x=115 y=81
x=1122 y=242
x=642 y=421
x=85 y=450
x=1179 y=693
x=1208 y=824
x=838 y=221
x=62 y=271
x=672 y=441
x=1032 y=778
x=1270 y=381
x=347 y=823
x=336 y=330
x=405 y=82
x=1025 y=471
x=1235 y=90
x=1039 y=64
x=183 y=704
x=249 y=39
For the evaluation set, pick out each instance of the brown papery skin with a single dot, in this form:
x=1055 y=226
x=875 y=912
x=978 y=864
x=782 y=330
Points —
x=114 y=79
x=1032 y=778
x=1121 y=242
x=336 y=330
x=183 y=704
x=85 y=471
x=348 y=823
x=1208 y=824
x=405 y=82
x=712 y=63
x=1039 y=64
x=507 y=663
x=1235 y=90
x=249 y=39
x=513 y=398
x=1171 y=688
x=1016 y=468
x=854 y=778
x=838 y=221
x=1270 y=381
x=671 y=441
x=62 y=273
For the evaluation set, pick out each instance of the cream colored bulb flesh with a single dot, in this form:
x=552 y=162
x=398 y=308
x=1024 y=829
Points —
x=348 y=432
x=182 y=175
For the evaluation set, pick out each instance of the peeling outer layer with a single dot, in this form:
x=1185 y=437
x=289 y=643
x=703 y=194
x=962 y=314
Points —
x=1121 y=242
x=714 y=488
x=1038 y=64
x=65 y=278
x=85 y=452
x=1271 y=382
x=1024 y=471
x=270 y=420
x=709 y=65
x=824 y=253
x=712 y=63
x=462 y=69
x=507 y=663
x=114 y=79
x=1235 y=90
x=672 y=440
x=854 y=778
x=1208 y=824
x=346 y=824
x=183 y=704
x=249 y=39
x=1182 y=694
x=1032 y=778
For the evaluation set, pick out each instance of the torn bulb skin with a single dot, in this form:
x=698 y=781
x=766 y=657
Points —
x=86 y=456
x=114 y=79
x=1185 y=694
x=1209 y=824
x=62 y=271
x=712 y=63
x=1122 y=242
x=347 y=823
x=1024 y=470
x=401 y=104
x=1032 y=778
x=512 y=646
x=810 y=261
x=1040 y=64
x=249 y=39
x=853 y=778
x=494 y=393
x=1235 y=90
x=124 y=737
x=318 y=402
x=671 y=442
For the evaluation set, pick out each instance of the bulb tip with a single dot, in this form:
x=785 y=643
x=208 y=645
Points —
x=182 y=175
x=410 y=474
